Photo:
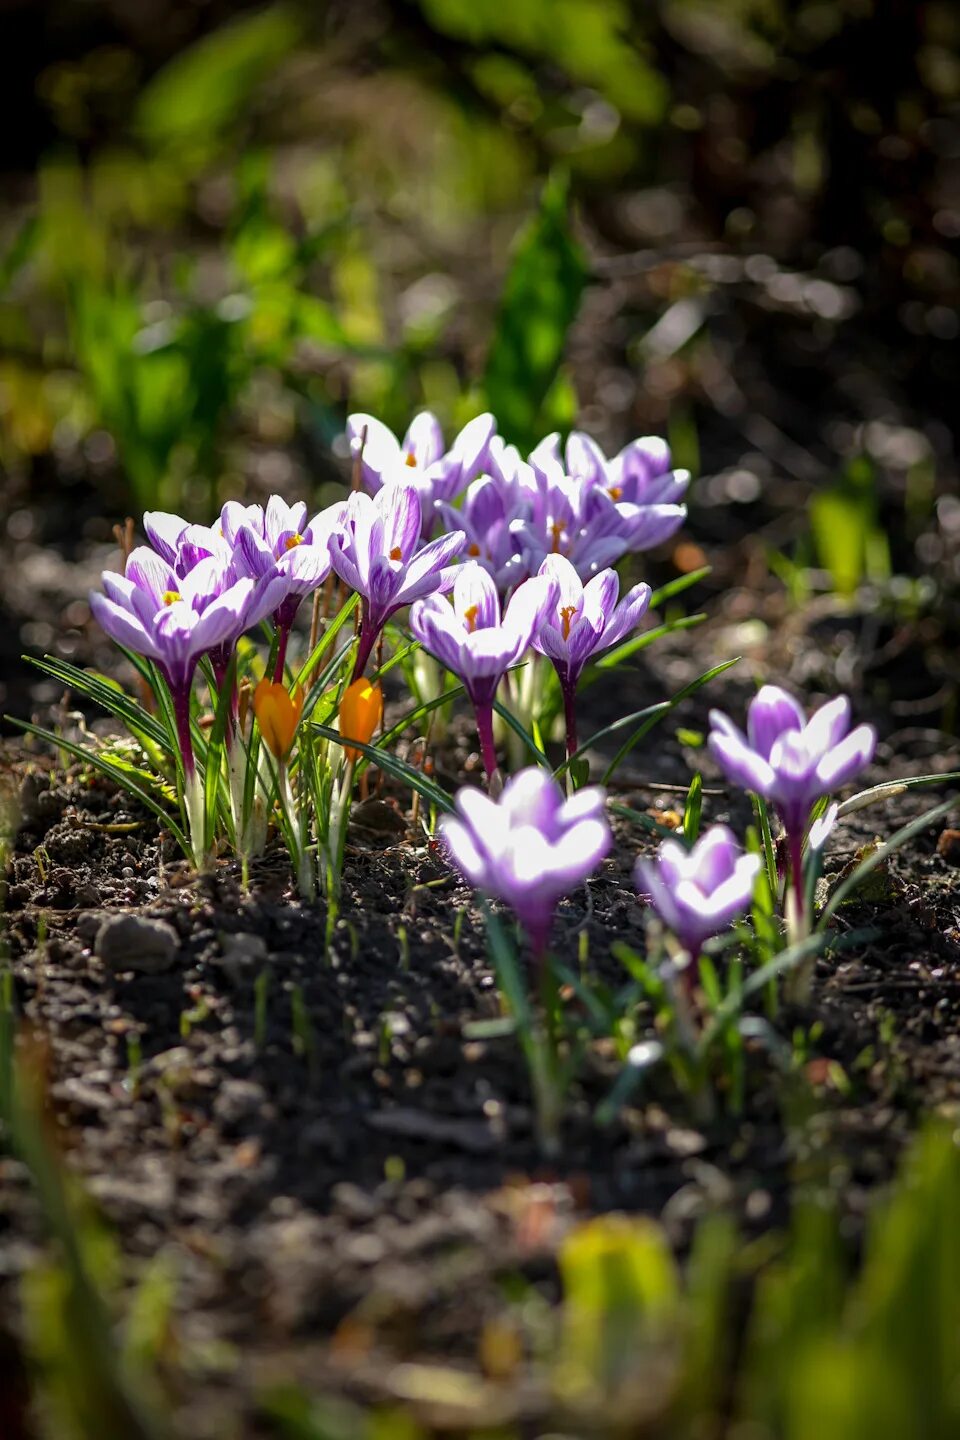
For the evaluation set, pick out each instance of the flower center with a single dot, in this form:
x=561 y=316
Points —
x=615 y=492
x=565 y=616
x=411 y=460
x=170 y=597
x=470 y=615
x=396 y=553
x=473 y=549
x=291 y=541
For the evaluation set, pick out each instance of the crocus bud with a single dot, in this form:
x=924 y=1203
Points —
x=278 y=715
x=360 y=711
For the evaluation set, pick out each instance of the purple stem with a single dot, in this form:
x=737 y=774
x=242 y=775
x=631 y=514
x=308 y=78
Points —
x=538 y=933
x=570 y=714
x=484 y=714
x=221 y=664
x=283 y=635
x=368 y=638
x=795 y=848
x=181 y=710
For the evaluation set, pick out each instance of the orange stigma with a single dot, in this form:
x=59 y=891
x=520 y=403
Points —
x=565 y=615
x=615 y=492
x=556 y=530
x=470 y=615
x=396 y=553
x=473 y=549
x=411 y=460
x=291 y=541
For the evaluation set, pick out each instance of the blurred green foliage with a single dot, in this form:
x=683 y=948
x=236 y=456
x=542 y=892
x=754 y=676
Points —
x=523 y=386
x=304 y=210
x=847 y=535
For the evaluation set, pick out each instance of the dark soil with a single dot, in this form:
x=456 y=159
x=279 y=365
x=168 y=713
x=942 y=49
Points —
x=339 y=1178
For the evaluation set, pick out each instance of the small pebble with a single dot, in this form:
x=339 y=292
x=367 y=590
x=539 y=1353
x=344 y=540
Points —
x=134 y=942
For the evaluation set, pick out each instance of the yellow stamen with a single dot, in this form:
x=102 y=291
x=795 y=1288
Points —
x=170 y=597
x=470 y=615
x=278 y=715
x=566 y=613
x=361 y=710
x=396 y=553
x=291 y=541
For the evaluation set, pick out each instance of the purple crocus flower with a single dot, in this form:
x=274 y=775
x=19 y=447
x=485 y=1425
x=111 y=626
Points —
x=164 y=530
x=697 y=892
x=640 y=475
x=584 y=620
x=488 y=512
x=373 y=549
x=530 y=847
x=593 y=510
x=278 y=542
x=420 y=458
x=174 y=621
x=476 y=643
x=571 y=518
x=183 y=545
x=790 y=760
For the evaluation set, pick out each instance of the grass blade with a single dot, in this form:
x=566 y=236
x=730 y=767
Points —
x=664 y=709
x=398 y=769
x=101 y=692
x=113 y=772
x=619 y=653
x=883 y=852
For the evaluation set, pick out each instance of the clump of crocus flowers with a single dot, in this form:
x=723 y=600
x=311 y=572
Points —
x=499 y=563
x=500 y=566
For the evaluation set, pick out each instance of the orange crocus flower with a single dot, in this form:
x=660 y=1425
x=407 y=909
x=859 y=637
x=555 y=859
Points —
x=278 y=715
x=360 y=712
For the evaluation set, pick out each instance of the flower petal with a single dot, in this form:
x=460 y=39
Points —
x=771 y=712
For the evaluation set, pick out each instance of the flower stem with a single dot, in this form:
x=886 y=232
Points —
x=484 y=715
x=181 y=710
x=192 y=784
x=368 y=638
x=795 y=849
x=283 y=635
x=570 y=716
x=799 y=983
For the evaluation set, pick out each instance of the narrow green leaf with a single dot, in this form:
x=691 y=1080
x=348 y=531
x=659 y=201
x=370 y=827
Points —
x=878 y=794
x=393 y=766
x=677 y=586
x=510 y=719
x=883 y=852
x=113 y=772
x=671 y=704
x=692 y=810
x=101 y=692
x=616 y=656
